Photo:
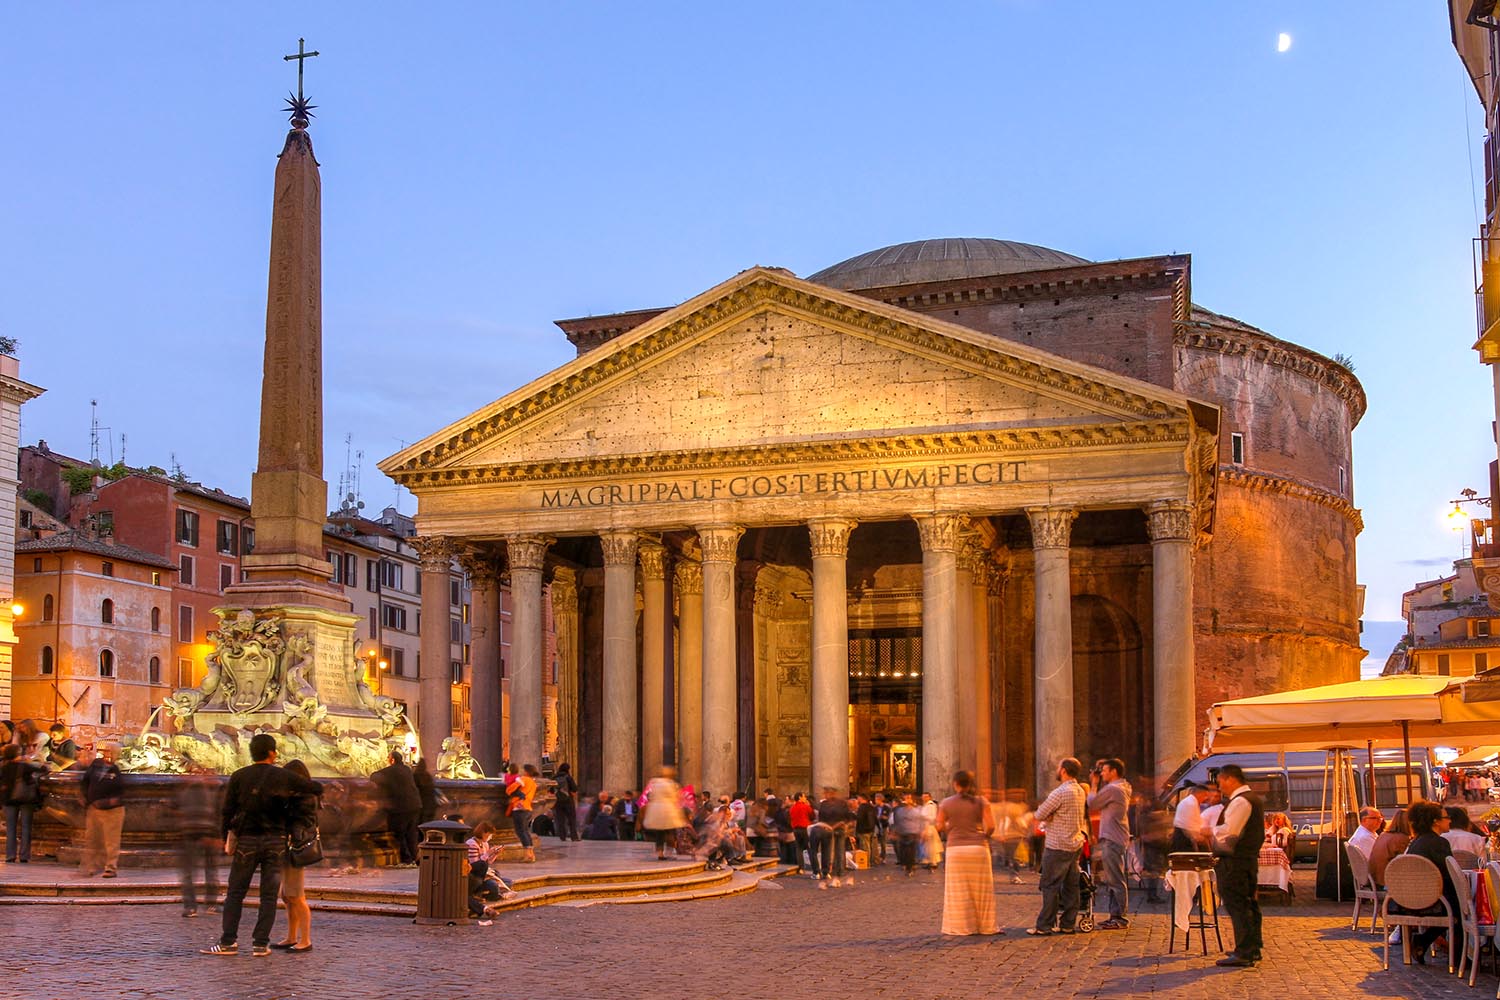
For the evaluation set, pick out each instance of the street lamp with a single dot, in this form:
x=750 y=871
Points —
x=1459 y=519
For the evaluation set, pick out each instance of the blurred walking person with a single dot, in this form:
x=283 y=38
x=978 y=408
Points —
x=565 y=806
x=931 y=849
x=403 y=807
x=198 y=846
x=663 y=815
x=830 y=836
x=21 y=785
x=520 y=791
x=907 y=823
x=968 y=880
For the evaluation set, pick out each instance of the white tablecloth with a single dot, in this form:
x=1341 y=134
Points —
x=1184 y=886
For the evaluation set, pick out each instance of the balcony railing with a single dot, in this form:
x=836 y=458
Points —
x=1487 y=298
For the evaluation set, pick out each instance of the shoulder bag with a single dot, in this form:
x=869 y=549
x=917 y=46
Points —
x=304 y=845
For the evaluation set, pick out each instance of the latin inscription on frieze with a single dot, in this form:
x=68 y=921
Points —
x=784 y=484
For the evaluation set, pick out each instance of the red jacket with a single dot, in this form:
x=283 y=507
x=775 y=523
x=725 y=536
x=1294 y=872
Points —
x=801 y=814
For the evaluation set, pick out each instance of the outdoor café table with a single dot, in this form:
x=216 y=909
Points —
x=1275 y=869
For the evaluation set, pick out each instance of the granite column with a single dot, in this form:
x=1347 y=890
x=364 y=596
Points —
x=830 y=653
x=653 y=557
x=1051 y=528
x=720 y=545
x=621 y=739
x=941 y=537
x=1170 y=523
x=434 y=679
x=484 y=659
x=690 y=673
x=528 y=555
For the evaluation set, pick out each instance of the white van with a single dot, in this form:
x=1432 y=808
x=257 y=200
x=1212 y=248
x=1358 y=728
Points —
x=1293 y=783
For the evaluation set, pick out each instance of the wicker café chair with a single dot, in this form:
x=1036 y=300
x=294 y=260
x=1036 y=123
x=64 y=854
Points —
x=1414 y=883
x=1468 y=920
x=1467 y=860
x=1364 y=887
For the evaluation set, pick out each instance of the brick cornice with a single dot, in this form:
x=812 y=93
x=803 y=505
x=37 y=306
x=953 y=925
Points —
x=1263 y=482
x=1205 y=335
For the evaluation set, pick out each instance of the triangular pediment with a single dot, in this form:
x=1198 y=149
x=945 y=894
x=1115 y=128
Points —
x=765 y=360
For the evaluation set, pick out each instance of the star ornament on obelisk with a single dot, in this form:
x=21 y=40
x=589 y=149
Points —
x=298 y=106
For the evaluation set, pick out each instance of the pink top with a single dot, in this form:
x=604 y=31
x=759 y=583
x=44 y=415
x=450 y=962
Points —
x=965 y=816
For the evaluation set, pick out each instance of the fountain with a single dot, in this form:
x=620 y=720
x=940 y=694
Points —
x=283 y=659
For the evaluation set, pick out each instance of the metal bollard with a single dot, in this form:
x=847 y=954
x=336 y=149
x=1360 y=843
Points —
x=442 y=874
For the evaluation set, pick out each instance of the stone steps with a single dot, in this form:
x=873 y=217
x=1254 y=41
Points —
x=672 y=882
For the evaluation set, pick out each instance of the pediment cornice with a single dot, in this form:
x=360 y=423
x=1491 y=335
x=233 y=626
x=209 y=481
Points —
x=750 y=294
x=904 y=447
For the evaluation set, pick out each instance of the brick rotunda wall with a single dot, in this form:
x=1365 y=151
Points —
x=1275 y=592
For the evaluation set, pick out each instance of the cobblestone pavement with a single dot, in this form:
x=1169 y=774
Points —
x=876 y=939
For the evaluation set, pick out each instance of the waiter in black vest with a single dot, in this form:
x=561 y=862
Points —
x=1237 y=839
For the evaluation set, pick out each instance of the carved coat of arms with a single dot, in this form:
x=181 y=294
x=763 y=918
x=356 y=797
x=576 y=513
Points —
x=247 y=658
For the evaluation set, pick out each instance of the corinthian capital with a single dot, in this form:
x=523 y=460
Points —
x=720 y=542
x=1170 y=521
x=619 y=547
x=981 y=567
x=527 y=551
x=1051 y=526
x=830 y=536
x=434 y=552
x=481 y=565
x=653 y=560
x=941 y=532
x=564 y=593
x=689 y=578
x=971 y=556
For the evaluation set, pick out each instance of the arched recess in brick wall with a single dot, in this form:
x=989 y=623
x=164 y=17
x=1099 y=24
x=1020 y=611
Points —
x=1111 y=684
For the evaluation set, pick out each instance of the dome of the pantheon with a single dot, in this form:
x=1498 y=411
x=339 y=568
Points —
x=940 y=260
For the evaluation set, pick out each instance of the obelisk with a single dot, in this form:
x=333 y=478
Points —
x=289 y=497
x=287 y=573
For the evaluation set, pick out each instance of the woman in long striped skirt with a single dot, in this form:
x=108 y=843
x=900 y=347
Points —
x=968 y=882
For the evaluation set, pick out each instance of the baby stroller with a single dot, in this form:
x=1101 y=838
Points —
x=1086 y=889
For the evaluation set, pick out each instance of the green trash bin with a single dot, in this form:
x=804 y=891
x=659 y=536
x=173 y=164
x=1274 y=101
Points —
x=442 y=874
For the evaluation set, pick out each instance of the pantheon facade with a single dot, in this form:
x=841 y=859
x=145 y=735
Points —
x=953 y=503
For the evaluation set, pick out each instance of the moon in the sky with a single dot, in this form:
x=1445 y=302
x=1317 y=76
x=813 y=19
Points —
x=1283 y=42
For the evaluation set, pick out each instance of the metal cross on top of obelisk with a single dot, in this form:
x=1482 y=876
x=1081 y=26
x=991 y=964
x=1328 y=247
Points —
x=300 y=110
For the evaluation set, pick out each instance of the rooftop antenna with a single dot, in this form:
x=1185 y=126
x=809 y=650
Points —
x=122 y=447
x=94 y=430
x=349 y=502
x=396 y=504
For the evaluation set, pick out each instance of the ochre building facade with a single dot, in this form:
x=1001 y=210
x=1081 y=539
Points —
x=957 y=503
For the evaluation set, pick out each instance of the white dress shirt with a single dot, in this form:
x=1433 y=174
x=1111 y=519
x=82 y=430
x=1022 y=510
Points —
x=1362 y=839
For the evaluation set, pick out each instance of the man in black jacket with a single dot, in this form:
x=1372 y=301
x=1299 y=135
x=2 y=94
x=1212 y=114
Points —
x=254 y=826
x=1237 y=839
x=403 y=804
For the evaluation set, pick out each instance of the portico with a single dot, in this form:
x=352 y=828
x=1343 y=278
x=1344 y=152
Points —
x=805 y=531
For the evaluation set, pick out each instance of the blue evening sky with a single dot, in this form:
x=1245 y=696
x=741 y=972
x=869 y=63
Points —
x=488 y=168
